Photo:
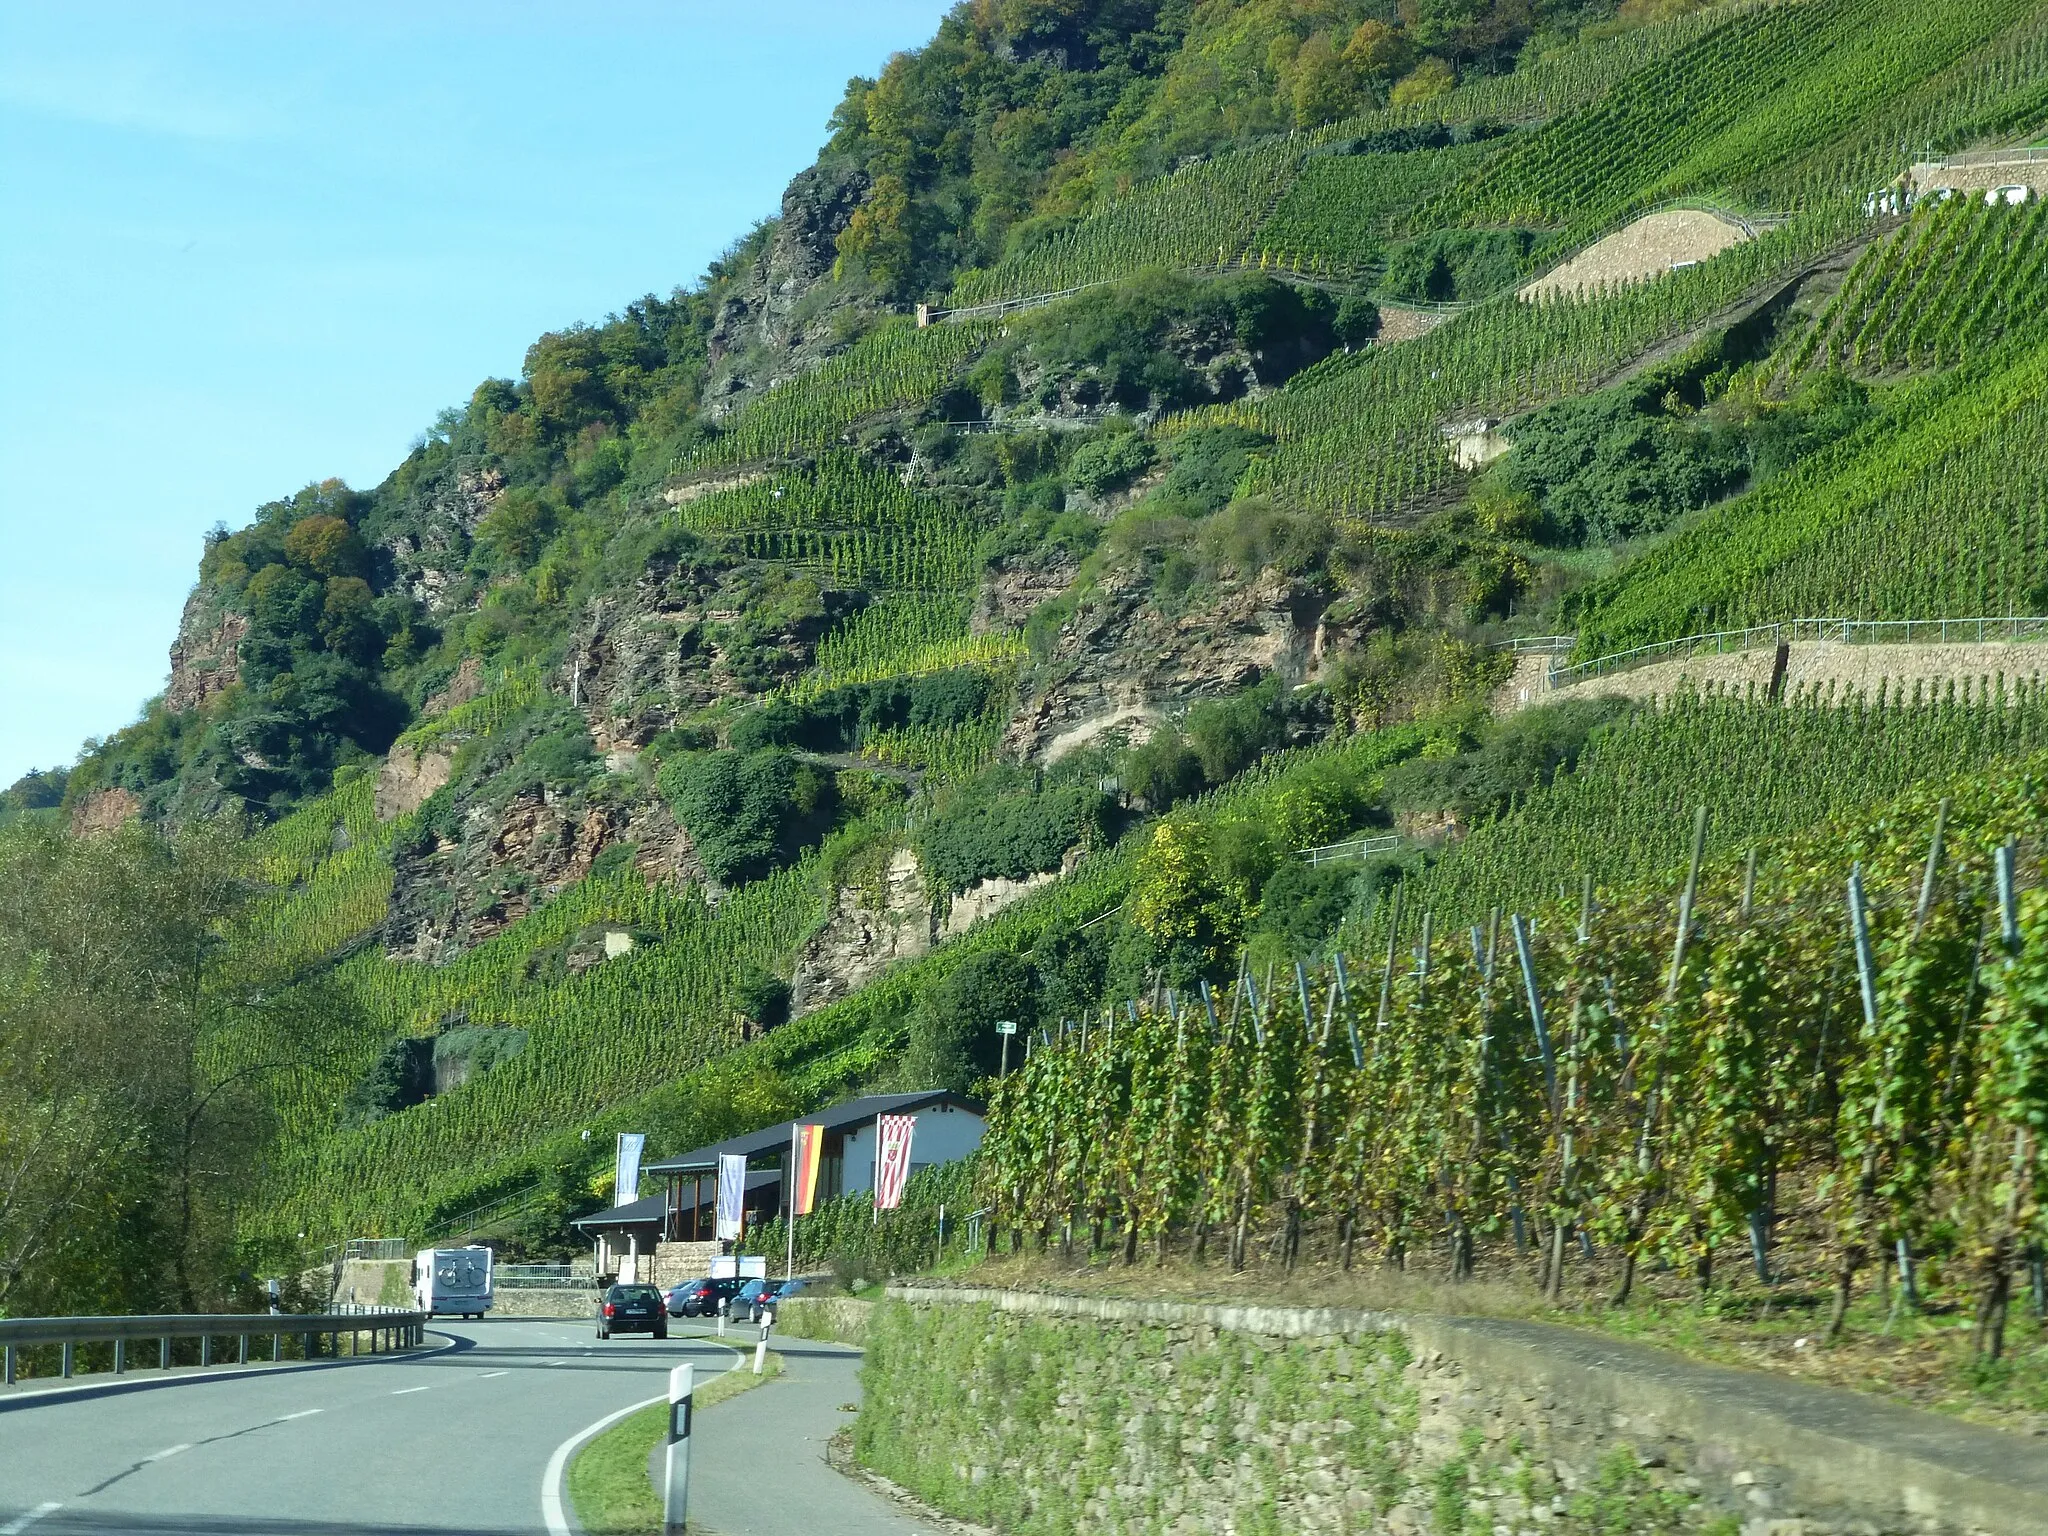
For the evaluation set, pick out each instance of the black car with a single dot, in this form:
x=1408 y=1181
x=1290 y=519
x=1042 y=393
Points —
x=631 y=1309
x=700 y=1298
x=753 y=1298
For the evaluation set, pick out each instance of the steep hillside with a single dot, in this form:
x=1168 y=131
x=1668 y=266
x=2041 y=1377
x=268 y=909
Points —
x=1115 y=472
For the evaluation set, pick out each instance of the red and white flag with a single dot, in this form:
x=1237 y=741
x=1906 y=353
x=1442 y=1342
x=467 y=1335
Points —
x=892 y=1159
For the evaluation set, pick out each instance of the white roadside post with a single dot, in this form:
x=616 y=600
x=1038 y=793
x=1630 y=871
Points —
x=676 y=1486
x=761 y=1345
x=724 y=1307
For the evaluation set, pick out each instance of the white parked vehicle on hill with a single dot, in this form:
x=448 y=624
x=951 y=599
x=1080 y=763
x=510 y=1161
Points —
x=452 y=1282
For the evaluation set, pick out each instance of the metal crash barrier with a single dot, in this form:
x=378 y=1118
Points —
x=386 y=1328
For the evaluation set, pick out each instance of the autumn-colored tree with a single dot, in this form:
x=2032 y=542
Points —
x=325 y=545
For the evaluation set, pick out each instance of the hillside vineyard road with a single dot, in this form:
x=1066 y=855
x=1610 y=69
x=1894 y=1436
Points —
x=452 y=1441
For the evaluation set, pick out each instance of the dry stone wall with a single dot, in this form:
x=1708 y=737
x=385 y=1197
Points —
x=1036 y=1413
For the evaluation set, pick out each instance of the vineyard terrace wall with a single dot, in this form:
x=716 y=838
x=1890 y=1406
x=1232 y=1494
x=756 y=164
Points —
x=1812 y=668
x=1041 y=1414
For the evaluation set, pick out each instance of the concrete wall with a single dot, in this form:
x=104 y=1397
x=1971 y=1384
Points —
x=943 y=1134
x=1043 y=1413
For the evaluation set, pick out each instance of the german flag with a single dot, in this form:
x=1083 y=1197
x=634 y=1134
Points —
x=806 y=1146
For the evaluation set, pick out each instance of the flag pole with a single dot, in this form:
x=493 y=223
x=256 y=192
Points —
x=789 y=1196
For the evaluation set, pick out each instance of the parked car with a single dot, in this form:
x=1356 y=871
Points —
x=631 y=1309
x=784 y=1289
x=700 y=1298
x=753 y=1297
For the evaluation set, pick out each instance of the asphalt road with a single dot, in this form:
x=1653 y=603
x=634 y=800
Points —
x=456 y=1441
x=757 y=1462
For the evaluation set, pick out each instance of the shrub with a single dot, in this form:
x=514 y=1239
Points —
x=1108 y=463
x=746 y=812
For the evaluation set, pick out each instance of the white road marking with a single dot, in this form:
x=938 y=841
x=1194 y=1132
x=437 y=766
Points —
x=303 y=1413
x=402 y=1391
x=552 y=1510
x=16 y=1527
x=551 y=1504
x=168 y=1454
x=487 y=1375
x=554 y=1362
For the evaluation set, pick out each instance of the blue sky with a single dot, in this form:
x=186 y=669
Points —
x=243 y=247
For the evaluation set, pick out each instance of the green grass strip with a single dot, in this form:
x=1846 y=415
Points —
x=608 y=1483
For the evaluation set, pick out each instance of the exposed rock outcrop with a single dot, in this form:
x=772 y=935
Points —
x=206 y=658
x=860 y=939
x=764 y=331
x=513 y=859
x=104 y=811
x=1122 y=664
x=409 y=776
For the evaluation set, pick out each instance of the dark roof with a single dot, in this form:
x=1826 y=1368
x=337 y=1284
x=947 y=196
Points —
x=637 y=1213
x=840 y=1117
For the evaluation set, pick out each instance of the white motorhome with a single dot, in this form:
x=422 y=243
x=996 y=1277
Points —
x=452 y=1282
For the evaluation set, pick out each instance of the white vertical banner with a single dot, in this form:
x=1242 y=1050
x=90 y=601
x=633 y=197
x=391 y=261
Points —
x=626 y=1174
x=732 y=1191
x=892 y=1159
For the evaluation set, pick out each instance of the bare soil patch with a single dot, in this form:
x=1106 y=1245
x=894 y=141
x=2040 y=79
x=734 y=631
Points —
x=1648 y=248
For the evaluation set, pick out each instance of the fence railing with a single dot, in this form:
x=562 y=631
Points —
x=1542 y=645
x=376 y=1249
x=1796 y=631
x=1357 y=848
x=534 y=1277
x=1978 y=157
x=483 y=1215
x=387 y=1328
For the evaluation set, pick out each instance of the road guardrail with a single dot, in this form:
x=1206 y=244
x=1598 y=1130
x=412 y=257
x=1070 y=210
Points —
x=388 y=1328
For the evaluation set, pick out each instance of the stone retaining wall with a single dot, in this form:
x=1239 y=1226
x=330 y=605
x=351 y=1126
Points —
x=1038 y=1413
x=1811 y=667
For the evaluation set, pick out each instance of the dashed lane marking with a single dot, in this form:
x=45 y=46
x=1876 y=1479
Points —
x=402 y=1391
x=166 y=1455
x=303 y=1413
x=487 y=1375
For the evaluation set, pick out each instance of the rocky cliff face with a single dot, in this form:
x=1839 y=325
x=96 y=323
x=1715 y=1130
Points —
x=1123 y=665
x=427 y=554
x=452 y=893
x=863 y=936
x=206 y=656
x=780 y=319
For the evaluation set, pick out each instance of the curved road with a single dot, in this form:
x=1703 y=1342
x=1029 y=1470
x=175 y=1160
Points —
x=455 y=1440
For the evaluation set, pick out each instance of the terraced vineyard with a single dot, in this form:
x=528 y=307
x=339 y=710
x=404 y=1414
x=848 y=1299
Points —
x=895 y=366
x=590 y=1040
x=1203 y=215
x=1360 y=434
x=905 y=636
x=1337 y=215
x=854 y=524
x=1955 y=281
x=1934 y=510
x=1249 y=208
x=1732 y=108
x=1764 y=771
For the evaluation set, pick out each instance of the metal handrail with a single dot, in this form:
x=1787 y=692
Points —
x=1356 y=848
x=1795 y=631
x=388 y=1327
x=1554 y=645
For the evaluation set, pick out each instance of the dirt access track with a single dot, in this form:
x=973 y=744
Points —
x=1648 y=248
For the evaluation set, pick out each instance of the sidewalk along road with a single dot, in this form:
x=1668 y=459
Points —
x=757 y=1462
x=453 y=1442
